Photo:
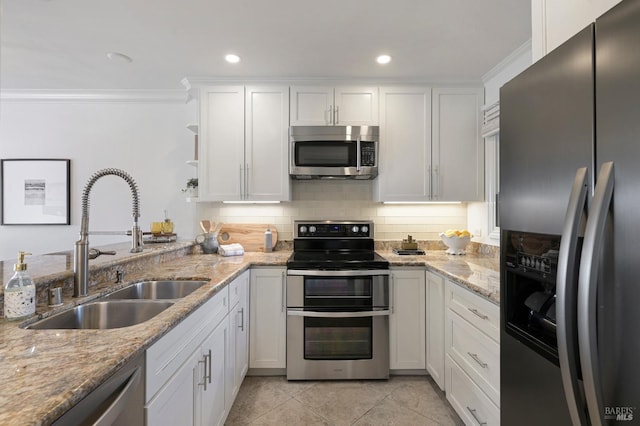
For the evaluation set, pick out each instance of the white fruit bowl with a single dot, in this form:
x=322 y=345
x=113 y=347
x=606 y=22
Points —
x=455 y=244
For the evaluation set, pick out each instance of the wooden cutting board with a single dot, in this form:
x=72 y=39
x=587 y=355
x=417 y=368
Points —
x=250 y=235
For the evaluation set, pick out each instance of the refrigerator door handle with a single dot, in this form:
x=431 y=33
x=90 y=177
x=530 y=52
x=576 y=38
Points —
x=566 y=295
x=588 y=290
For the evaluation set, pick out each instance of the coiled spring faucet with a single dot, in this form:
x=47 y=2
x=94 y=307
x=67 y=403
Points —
x=81 y=254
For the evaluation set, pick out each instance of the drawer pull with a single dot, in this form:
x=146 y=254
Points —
x=479 y=314
x=475 y=416
x=478 y=360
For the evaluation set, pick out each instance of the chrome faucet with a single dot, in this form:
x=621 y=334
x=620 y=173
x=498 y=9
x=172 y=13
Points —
x=81 y=254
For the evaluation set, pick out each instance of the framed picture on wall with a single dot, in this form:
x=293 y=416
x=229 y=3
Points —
x=35 y=191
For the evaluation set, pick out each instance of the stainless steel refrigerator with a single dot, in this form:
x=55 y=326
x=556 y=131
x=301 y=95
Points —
x=570 y=225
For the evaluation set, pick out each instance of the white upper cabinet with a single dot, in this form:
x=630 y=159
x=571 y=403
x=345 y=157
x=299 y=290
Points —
x=430 y=145
x=457 y=149
x=244 y=143
x=554 y=22
x=404 y=172
x=329 y=106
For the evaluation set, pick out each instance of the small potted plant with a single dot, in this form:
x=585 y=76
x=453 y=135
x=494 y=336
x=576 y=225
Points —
x=192 y=187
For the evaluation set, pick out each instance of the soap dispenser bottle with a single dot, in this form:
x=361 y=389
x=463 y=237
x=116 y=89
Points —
x=19 y=292
x=268 y=240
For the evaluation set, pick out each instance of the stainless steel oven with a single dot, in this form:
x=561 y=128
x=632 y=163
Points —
x=337 y=304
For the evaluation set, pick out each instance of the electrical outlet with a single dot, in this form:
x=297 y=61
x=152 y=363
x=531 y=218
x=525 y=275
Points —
x=477 y=233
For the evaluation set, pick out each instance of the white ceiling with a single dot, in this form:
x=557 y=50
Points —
x=62 y=44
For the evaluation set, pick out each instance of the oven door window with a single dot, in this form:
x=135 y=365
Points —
x=338 y=338
x=353 y=292
x=325 y=154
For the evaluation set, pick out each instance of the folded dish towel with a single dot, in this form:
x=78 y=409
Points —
x=231 y=249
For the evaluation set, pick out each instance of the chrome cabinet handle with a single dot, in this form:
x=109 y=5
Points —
x=345 y=273
x=241 y=312
x=566 y=293
x=358 y=154
x=284 y=291
x=209 y=375
x=475 y=416
x=246 y=181
x=588 y=291
x=436 y=190
x=204 y=376
x=336 y=115
x=240 y=183
x=478 y=360
x=392 y=288
x=329 y=115
x=478 y=313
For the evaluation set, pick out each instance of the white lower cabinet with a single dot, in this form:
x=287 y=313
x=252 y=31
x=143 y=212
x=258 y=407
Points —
x=435 y=328
x=407 y=320
x=268 y=319
x=473 y=356
x=238 y=335
x=193 y=373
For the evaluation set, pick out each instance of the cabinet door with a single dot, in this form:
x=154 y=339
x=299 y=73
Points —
x=405 y=144
x=221 y=160
x=355 y=106
x=407 y=321
x=311 y=106
x=174 y=403
x=212 y=404
x=239 y=337
x=267 y=144
x=268 y=318
x=458 y=154
x=435 y=327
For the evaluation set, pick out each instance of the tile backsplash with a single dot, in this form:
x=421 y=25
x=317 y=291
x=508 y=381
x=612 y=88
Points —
x=343 y=199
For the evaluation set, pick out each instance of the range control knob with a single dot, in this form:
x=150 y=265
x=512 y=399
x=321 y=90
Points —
x=303 y=229
x=355 y=229
x=365 y=229
x=312 y=229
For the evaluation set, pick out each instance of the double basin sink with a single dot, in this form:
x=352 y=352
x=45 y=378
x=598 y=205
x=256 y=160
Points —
x=128 y=306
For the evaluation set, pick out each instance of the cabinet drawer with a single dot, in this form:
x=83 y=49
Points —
x=478 y=311
x=166 y=356
x=471 y=404
x=477 y=354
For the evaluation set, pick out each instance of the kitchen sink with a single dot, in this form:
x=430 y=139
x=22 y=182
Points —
x=157 y=290
x=104 y=315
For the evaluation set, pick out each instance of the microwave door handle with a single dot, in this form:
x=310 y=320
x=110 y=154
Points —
x=566 y=294
x=358 y=154
x=588 y=292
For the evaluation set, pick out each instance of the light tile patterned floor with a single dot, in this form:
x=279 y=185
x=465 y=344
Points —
x=401 y=401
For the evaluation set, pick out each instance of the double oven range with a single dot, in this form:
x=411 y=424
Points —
x=337 y=303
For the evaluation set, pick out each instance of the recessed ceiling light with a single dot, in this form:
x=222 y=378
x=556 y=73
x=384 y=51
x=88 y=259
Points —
x=232 y=59
x=383 y=59
x=119 y=57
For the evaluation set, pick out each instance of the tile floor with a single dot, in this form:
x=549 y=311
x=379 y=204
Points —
x=401 y=401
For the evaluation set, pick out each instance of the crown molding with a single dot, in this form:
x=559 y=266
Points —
x=94 y=96
x=523 y=49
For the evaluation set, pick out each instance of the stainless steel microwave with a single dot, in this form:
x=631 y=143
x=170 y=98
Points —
x=334 y=152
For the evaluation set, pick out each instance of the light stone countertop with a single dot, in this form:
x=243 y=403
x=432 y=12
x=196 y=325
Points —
x=46 y=372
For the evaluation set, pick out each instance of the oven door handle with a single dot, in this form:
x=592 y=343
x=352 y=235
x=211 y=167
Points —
x=359 y=314
x=340 y=273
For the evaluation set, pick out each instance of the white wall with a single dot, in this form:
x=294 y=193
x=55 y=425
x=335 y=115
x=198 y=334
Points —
x=146 y=139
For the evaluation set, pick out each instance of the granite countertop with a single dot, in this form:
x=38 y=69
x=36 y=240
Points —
x=478 y=273
x=46 y=372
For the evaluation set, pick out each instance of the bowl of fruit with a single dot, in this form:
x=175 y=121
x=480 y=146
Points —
x=456 y=240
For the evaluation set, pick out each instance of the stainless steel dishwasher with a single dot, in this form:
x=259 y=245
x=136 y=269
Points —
x=118 y=401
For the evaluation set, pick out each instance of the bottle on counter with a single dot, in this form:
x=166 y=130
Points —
x=268 y=240
x=19 y=292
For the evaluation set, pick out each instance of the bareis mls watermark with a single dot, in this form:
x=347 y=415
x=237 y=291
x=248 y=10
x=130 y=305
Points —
x=621 y=414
